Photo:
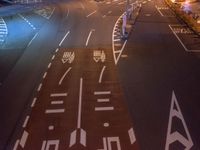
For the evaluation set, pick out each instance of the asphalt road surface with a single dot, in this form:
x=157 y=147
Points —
x=72 y=83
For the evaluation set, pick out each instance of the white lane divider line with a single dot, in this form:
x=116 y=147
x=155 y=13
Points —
x=51 y=127
x=39 y=87
x=53 y=57
x=91 y=13
x=73 y=135
x=104 y=108
x=89 y=35
x=131 y=135
x=49 y=65
x=64 y=38
x=44 y=76
x=16 y=144
x=25 y=121
x=34 y=101
x=58 y=95
x=49 y=111
x=57 y=50
x=32 y=39
x=101 y=74
x=102 y=92
x=28 y=22
x=64 y=75
x=24 y=139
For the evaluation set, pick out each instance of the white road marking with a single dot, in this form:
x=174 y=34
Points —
x=67 y=12
x=33 y=103
x=108 y=142
x=53 y=57
x=16 y=145
x=101 y=74
x=122 y=49
x=103 y=100
x=39 y=87
x=32 y=39
x=104 y=108
x=57 y=102
x=115 y=40
x=109 y=12
x=172 y=137
x=57 y=50
x=106 y=124
x=46 y=145
x=64 y=75
x=73 y=135
x=91 y=13
x=159 y=11
x=31 y=25
x=45 y=74
x=51 y=13
x=58 y=94
x=186 y=49
x=82 y=6
x=49 y=65
x=25 y=121
x=104 y=16
x=24 y=139
x=80 y=104
x=50 y=111
x=68 y=57
x=102 y=92
x=131 y=135
x=88 y=38
x=51 y=127
x=64 y=38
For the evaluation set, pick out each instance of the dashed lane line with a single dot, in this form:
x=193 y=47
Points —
x=27 y=21
x=91 y=13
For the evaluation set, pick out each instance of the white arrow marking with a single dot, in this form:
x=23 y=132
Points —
x=176 y=136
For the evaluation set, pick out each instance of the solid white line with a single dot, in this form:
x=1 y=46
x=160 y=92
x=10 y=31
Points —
x=121 y=51
x=51 y=13
x=91 y=13
x=56 y=102
x=102 y=92
x=101 y=74
x=58 y=94
x=33 y=103
x=24 y=139
x=103 y=108
x=32 y=39
x=26 y=121
x=103 y=100
x=67 y=12
x=159 y=11
x=16 y=145
x=49 y=65
x=66 y=72
x=64 y=38
x=39 y=87
x=45 y=74
x=80 y=104
x=178 y=38
x=88 y=38
x=83 y=7
x=49 y=111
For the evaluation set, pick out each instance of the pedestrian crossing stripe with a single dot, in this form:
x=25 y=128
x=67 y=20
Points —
x=172 y=137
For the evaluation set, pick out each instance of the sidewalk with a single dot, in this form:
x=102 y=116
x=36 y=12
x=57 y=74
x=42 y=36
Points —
x=188 y=12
